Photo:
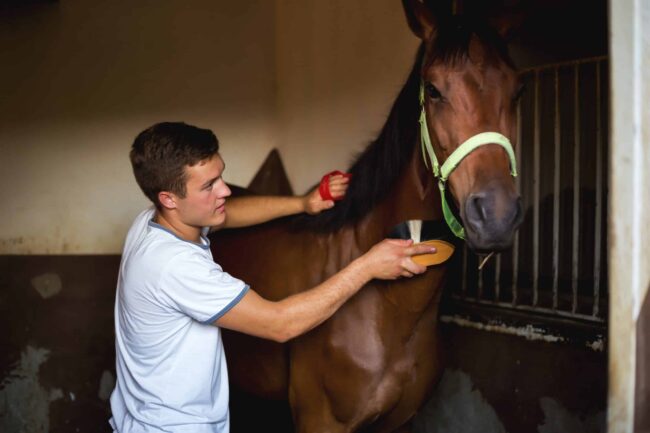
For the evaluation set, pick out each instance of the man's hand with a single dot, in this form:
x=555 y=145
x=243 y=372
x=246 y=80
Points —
x=314 y=203
x=391 y=258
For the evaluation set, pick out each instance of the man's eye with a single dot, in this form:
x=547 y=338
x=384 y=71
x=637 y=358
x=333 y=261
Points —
x=433 y=92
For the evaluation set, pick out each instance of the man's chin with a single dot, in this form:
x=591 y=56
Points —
x=218 y=220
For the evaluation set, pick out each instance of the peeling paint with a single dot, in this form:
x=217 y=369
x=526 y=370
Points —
x=558 y=419
x=24 y=404
x=106 y=385
x=529 y=332
x=457 y=407
x=598 y=345
x=47 y=285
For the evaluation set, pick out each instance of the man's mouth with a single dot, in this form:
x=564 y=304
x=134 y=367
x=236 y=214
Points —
x=221 y=209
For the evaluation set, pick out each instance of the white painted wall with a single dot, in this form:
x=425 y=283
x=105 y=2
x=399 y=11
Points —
x=340 y=65
x=80 y=79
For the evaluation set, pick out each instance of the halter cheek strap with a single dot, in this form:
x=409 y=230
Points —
x=467 y=147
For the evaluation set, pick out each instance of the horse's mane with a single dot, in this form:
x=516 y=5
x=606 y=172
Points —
x=378 y=167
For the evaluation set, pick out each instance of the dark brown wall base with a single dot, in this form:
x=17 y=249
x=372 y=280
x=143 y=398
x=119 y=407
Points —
x=57 y=347
x=57 y=355
x=531 y=383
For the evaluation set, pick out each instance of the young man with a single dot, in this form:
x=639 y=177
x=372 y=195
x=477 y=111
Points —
x=172 y=298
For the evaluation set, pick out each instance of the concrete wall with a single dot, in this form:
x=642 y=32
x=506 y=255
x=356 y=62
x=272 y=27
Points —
x=340 y=66
x=80 y=79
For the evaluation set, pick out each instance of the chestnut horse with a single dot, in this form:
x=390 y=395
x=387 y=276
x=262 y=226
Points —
x=373 y=364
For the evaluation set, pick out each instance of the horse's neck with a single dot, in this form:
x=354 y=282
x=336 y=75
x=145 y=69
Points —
x=414 y=196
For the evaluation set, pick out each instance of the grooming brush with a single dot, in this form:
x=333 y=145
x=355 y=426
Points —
x=425 y=233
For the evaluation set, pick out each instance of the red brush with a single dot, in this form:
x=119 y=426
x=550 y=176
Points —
x=324 y=187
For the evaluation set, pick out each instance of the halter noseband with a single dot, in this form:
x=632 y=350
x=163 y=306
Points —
x=467 y=147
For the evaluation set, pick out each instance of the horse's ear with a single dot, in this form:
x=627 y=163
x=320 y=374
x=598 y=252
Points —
x=420 y=18
x=508 y=23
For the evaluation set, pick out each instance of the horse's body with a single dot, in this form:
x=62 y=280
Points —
x=371 y=365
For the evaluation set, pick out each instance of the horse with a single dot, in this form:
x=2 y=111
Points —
x=374 y=363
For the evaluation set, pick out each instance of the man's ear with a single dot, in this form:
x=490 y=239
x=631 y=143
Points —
x=167 y=199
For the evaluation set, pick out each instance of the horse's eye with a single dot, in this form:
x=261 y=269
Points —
x=519 y=93
x=433 y=92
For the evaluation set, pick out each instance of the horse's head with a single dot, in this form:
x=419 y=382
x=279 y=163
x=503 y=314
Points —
x=469 y=88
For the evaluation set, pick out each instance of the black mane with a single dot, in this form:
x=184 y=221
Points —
x=378 y=167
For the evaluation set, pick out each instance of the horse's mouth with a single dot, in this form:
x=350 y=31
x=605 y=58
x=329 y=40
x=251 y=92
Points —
x=487 y=241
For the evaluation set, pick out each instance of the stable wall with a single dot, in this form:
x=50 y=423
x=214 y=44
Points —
x=340 y=65
x=83 y=80
x=79 y=80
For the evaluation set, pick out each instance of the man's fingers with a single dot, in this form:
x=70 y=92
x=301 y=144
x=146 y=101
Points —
x=339 y=179
x=400 y=243
x=339 y=187
x=410 y=266
x=338 y=190
x=415 y=250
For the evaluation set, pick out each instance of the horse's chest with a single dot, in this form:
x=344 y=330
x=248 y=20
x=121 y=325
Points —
x=371 y=354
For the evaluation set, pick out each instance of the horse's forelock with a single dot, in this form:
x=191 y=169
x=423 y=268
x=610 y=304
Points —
x=451 y=44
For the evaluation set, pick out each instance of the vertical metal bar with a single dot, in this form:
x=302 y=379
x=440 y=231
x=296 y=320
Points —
x=536 y=168
x=556 y=191
x=464 y=277
x=576 y=189
x=497 y=278
x=515 y=244
x=599 y=192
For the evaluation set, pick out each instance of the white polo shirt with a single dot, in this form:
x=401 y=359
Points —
x=171 y=368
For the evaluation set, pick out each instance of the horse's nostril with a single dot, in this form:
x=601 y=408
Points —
x=476 y=209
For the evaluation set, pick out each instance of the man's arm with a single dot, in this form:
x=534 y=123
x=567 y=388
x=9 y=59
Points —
x=251 y=210
x=283 y=320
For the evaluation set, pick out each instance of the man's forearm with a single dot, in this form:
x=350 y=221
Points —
x=292 y=316
x=247 y=211
x=304 y=311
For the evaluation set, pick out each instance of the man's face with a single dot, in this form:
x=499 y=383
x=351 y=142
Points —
x=206 y=192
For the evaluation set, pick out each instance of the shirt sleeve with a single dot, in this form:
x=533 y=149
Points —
x=198 y=287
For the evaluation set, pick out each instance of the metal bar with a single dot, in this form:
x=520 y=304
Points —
x=561 y=64
x=480 y=283
x=497 y=278
x=556 y=192
x=559 y=313
x=464 y=277
x=576 y=189
x=599 y=192
x=536 y=168
x=515 y=244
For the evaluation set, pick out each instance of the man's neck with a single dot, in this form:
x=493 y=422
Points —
x=180 y=229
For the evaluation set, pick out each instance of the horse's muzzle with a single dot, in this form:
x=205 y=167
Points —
x=491 y=218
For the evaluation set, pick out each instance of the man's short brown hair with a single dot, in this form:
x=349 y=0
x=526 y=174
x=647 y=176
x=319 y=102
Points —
x=160 y=153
